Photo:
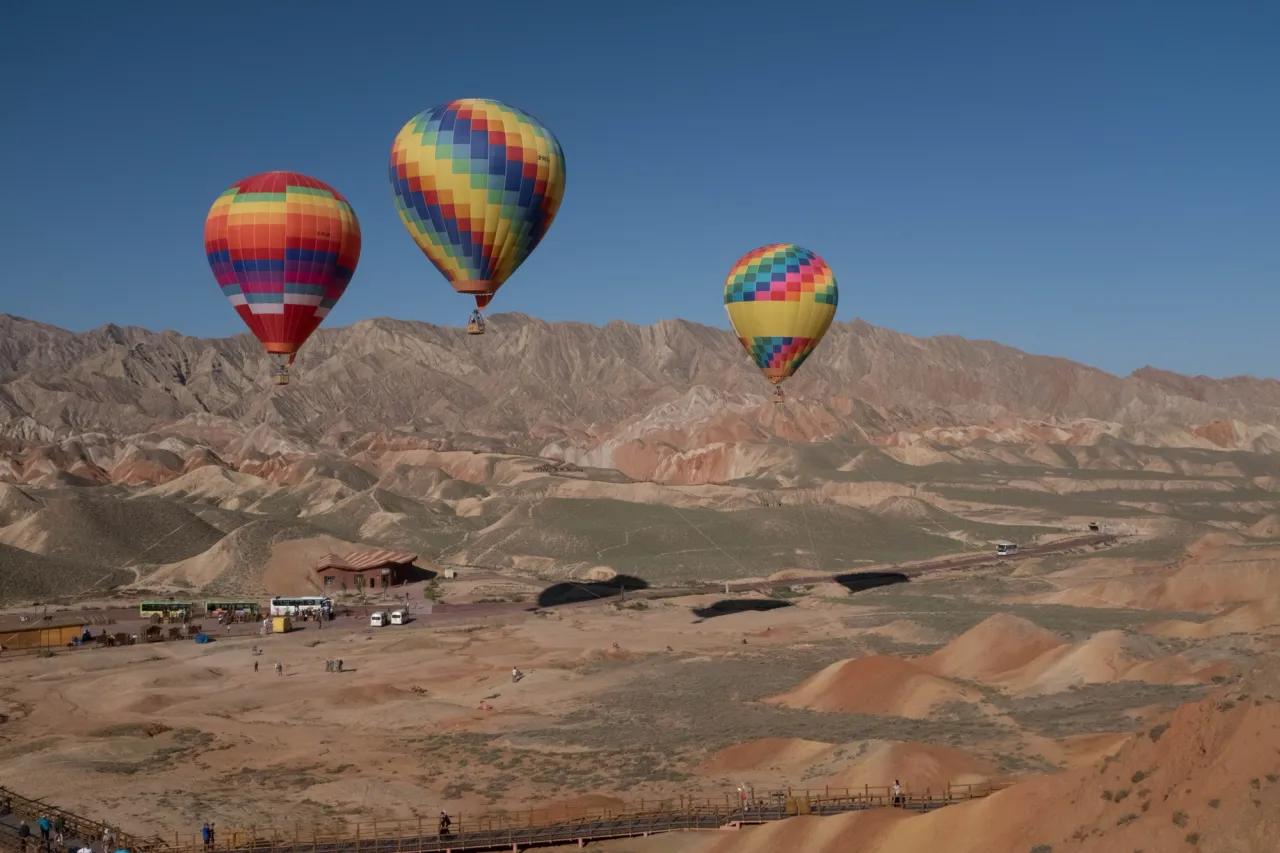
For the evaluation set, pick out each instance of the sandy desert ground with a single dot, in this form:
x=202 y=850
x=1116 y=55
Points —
x=1132 y=703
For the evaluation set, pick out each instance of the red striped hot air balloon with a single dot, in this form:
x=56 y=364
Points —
x=282 y=247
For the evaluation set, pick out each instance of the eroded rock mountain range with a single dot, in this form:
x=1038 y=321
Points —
x=673 y=402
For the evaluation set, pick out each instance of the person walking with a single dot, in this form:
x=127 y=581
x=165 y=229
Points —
x=255 y=666
x=213 y=835
x=445 y=823
x=897 y=793
x=46 y=827
x=279 y=668
x=206 y=835
x=339 y=664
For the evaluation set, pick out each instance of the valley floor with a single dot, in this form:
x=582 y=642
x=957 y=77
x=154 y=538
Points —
x=1014 y=672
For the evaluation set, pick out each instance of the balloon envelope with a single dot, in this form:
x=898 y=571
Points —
x=282 y=247
x=477 y=184
x=781 y=299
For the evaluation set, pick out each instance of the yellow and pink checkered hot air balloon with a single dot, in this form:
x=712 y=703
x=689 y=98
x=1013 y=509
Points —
x=781 y=300
x=477 y=184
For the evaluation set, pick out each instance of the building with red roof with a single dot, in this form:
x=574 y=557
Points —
x=366 y=570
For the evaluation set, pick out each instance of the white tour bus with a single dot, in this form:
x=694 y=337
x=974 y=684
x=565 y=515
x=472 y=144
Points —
x=398 y=617
x=377 y=619
x=296 y=605
x=1006 y=549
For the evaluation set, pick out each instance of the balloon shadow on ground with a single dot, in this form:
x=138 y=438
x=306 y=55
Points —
x=575 y=592
x=862 y=581
x=730 y=606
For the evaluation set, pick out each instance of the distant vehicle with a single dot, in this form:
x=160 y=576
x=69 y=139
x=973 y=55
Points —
x=247 y=608
x=377 y=619
x=399 y=617
x=295 y=605
x=166 y=609
x=1093 y=527
x=1006 y=549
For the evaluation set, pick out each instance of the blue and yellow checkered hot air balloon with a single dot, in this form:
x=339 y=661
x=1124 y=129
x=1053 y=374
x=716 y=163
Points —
x=781 y=299
x=477 y=184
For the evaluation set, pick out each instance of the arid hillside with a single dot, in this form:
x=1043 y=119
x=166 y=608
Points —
x=606 y=390
x=163 y=462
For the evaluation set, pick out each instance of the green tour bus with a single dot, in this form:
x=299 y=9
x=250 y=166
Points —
x=166 y=609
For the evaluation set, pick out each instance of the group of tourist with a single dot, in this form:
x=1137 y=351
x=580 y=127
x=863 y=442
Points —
x=50 y=835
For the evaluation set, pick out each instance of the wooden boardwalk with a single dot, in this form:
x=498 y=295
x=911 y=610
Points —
x=519 y=831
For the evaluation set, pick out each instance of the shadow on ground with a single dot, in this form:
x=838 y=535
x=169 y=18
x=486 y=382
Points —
x=730 y=606
x=573 y=592
x=860 y=581
x=414 y=574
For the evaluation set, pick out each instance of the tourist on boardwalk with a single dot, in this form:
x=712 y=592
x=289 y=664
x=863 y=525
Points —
x=46 y=826
x=897 y=793
x=24 y=831
x=445 y=823
x=207 y=835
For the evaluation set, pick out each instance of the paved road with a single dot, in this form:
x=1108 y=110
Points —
x=940 y=564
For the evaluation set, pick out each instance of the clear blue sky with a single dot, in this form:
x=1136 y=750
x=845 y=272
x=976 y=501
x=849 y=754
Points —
x=1099 y=180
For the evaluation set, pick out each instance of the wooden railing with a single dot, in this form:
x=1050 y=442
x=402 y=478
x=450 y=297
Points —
x=536 y=827
x=74 y=826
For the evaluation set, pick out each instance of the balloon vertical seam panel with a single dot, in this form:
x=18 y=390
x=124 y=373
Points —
x=283 y=247
x=477 y=184
x=780 y=299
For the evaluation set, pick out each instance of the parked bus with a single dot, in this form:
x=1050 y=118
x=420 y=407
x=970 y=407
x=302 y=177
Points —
x=295 y=605
x=166 y=609
x=247 y=608
x=1006 y=549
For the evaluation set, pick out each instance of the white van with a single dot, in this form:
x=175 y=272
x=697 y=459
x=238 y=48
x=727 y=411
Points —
x=1006 y=549
x=399 y=617
x=377 y=620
